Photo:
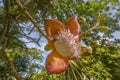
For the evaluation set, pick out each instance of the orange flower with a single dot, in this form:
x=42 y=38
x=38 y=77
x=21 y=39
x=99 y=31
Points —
x=64 y=43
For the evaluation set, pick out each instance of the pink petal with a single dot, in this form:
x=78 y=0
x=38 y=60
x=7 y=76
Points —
x=73 y=25
x=55 y=63
x=53 y=26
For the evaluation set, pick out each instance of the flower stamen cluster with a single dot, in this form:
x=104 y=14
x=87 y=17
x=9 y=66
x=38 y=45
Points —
x=67 y=45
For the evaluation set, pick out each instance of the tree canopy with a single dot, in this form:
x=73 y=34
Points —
x=22 y=23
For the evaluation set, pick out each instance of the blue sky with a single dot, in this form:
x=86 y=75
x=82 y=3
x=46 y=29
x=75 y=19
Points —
x=116 y=35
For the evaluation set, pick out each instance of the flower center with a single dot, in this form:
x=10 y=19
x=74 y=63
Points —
x=67 y=45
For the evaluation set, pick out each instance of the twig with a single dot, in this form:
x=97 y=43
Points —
x=4 y=40
x=6 y=3
x=30 y=39
x=90 y=29
x=11 y=65
x=74 y=74
x=31 y=18
x=88 y=39
x=31 y=31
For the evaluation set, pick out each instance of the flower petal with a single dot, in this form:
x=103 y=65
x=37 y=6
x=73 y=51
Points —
x=49 y=45
x=73 y=25
x=53 y=26
x=55 y=63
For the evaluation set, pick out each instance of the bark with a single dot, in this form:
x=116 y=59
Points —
x=9 y=62
x=4 y=40
x=28 y=15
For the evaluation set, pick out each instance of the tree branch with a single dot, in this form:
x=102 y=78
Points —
x=31 y=18
x=4 y=40
x=9 y=62
x=90 y=29
x=6 y=3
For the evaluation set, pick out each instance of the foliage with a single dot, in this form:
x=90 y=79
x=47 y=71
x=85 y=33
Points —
x=103 y=64
x=17 y=29
x=26 y=62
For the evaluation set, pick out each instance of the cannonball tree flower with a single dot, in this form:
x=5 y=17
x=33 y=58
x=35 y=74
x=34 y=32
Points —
x=64 y=43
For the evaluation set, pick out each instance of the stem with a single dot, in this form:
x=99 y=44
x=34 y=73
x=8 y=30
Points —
x=90 y=29
x=4 y=40
x=9 y=62
x=6 y=3
x=31 y=18
x=74 y=75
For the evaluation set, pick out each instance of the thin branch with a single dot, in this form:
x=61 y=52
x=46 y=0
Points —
x=4 y=40
x=89 y=39
x=74 y=75
x=30 y=39
x=11 y=65
x=31 y=31
x=6 y=3
x=3 y=34
x=31 y=18
x=90 y=29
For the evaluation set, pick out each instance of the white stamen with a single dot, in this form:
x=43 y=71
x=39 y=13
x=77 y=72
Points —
x=67 y=45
